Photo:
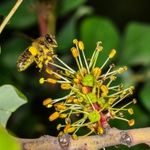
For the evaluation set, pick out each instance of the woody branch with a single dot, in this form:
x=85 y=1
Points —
x=111 y=138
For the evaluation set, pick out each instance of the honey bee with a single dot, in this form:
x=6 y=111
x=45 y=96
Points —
x=40 y=52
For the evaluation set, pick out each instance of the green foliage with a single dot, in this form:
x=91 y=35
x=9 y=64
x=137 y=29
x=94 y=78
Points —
x=136 y=45
x=10 y=100
x=7 y=142
x=95 y=29
x=145 y=96
x=68 y=31
x=69 y=5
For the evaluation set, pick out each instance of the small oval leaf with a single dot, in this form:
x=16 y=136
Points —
x=10 y=100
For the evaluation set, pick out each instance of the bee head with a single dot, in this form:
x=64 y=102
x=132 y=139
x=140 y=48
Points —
x=50 y=39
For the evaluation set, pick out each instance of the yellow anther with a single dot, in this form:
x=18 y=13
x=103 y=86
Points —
x=62 y=116
x=80 y=100
x=42 y=80
x=112 y=53
x=134 y=101
x=69 y=99
x=97 y=71
x=58 y=127
x=84 y=70
x=61 y=133
x=76 y=101
x=104 y=89
x=113 y=78
x=100 y=130
x=47 y=102
x=78 y=76
x=99 y=48
x=75 y=52
x=65 y=86
x=131 y=122
x=122 y=69
x=85 y=90
x=33 y=50
x=130 y=111
x=111 y=101
x=70 y=130
x=50 y=80
x=49 y=71
x=75 y=41
x=66 y=128
x=74 y=137
x=40 y=65
x=76 y=80
x=54 y=116
x=131 y=90
x=81 y=45
x=60 y=106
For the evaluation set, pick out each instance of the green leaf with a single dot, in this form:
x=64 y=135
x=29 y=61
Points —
x=24 y=17
x=10 y=100
x=68 y=31
x=96 y=29
x=94 y=116
x=69 y=5
x=145 y=96
x=136 y=45
x=66 y=35
x=7 y=142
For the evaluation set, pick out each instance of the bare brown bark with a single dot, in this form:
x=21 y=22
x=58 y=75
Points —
x=111 y=138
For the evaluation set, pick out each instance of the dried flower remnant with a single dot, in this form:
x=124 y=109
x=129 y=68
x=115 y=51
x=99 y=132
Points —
x=91 y=98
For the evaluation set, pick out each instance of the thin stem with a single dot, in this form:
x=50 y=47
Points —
x=85 y=62
x=65 y=64
x=13 y=10
x=60 y=67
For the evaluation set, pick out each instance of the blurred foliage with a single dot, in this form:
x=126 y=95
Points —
x=90 y=21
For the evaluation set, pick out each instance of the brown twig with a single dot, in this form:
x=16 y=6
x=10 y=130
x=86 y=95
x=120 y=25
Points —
x=111 y=138
x=46 y=17
x=13 y=10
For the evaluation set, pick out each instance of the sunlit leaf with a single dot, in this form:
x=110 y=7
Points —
x=7 y=142
x=136 y=44
x=96 y=29
x=10 y=100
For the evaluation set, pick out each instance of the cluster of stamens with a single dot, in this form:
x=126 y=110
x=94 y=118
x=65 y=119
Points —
x=92 y=100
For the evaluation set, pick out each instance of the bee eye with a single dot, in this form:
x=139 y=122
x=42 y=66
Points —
x=48 y=38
